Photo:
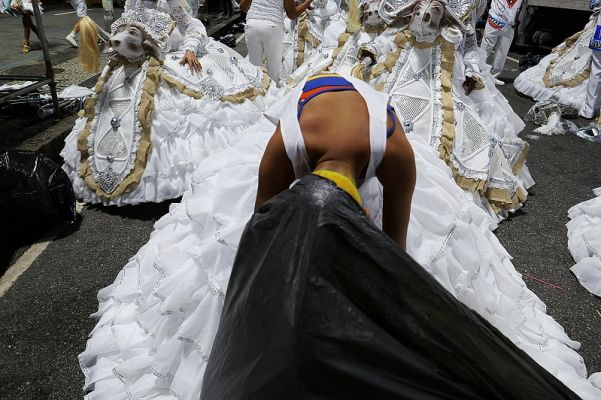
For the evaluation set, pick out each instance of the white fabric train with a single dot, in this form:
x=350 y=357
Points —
x=158 y=320
x=561 y=76
x=584 y=242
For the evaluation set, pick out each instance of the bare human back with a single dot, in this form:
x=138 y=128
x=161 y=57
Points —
x=336 y=133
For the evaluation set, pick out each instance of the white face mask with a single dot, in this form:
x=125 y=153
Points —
x=370 y=13
x=426 y=19
x=129 y=43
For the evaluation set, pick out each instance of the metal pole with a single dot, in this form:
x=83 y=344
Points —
x=49 y=70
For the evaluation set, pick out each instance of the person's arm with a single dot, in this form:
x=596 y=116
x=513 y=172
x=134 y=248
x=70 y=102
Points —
x=293 y=11
x=276 y=173
x=194 y=33
x=245 y=5
x=471 y=58
x=397 y=175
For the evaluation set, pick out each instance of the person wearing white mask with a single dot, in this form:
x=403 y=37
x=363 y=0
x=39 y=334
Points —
x=265 y=30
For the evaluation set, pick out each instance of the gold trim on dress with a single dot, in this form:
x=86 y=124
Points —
x=145 y=112
x=560 y=51
x=500 y=199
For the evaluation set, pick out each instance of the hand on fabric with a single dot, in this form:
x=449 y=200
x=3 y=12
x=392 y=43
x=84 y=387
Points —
x=191 y=60
x=367 y=212
x=469 y=85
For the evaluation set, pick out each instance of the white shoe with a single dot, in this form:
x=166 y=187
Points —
x=499 y=82
x=71 y=40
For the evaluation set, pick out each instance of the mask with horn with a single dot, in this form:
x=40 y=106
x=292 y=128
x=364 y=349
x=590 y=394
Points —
x=431 y=18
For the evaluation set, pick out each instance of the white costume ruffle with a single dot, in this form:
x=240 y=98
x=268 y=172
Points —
x=584 y=242
x=158 y=320
x=571 y=58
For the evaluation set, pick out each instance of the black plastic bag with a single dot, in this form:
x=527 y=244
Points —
x=529 y=61
x=228 y=40
x=34 y=190
x=322 y=305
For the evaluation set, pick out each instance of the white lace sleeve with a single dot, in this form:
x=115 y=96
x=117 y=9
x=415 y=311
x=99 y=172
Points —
x=469 y=47
x=193 y=31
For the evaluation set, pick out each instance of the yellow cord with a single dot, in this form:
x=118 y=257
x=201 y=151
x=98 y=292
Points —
x=343 y=182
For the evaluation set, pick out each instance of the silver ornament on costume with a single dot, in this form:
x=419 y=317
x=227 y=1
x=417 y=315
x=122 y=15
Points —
x=115 y=122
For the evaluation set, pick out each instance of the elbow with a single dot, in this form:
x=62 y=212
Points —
x=294 y=13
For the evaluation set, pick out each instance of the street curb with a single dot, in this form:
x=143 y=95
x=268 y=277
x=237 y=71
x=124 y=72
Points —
x=51 y=141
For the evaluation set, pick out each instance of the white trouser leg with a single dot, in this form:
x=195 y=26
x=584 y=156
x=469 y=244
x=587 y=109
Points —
x=489 y=40
x=592 y=102
x=80 y=7
x=254 y=44
x=274 y=49
x=502 y=49
x=265 y=40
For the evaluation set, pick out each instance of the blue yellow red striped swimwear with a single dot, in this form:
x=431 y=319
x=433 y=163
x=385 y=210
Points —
x=324 y=83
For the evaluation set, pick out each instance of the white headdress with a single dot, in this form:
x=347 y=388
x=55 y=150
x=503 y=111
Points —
x=156 y=25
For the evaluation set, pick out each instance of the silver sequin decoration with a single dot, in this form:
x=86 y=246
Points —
x=475 y=135
x=211 y=88
x=409 y=107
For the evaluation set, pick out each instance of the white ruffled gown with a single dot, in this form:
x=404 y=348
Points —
x=192 y=116
x=562 y=76
x=158 y=320
x=184 y=131
x=584 y=242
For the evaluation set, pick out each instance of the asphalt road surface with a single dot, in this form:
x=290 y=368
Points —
x=44 y=316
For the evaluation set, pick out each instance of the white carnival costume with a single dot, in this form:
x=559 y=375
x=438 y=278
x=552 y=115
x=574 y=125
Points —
x=145 y=131
x=351 y=44
x=584 y=242
x=476 y=135
x=564 y=75
x=305 y=35
x=484 y=151
x=158 y=320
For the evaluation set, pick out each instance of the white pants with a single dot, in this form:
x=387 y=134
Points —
x=264 y=40
x=496 y=42
x=592 y=102
x=80 y=7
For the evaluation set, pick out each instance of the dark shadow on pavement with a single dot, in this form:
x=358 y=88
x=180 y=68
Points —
x=143 y=212
x=15 y=240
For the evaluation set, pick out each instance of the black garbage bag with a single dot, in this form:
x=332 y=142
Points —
x=322 y=305
x=34 y=190
x=529 y=61
x=228 y=40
